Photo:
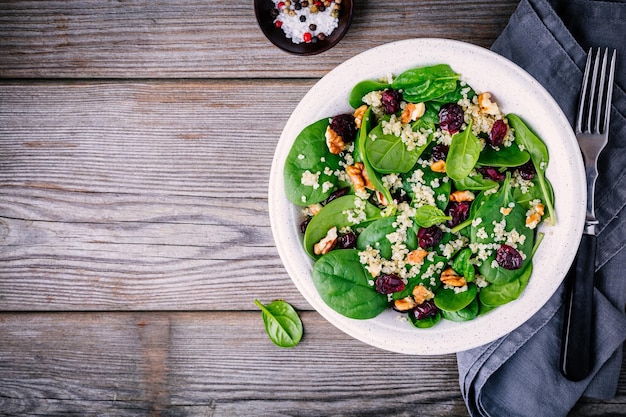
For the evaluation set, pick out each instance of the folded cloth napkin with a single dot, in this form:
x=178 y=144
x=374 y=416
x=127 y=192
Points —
x=518 y=374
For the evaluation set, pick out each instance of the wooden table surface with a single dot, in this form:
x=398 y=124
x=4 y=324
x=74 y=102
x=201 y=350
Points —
x=136 y=139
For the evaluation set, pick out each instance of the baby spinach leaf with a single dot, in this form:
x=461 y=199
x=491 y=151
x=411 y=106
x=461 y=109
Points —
x=485 y=232
x=310 y=153
x=342 y=282
x=282 y=323
x=388 y=154
x=338 y=213
x=538 y=154
x=362 y=88
x=448 y=300
x=495 y=295
x=462 y=264
x=506 y=156
x=426 y=322
x=463 y=154
x=475 y=183
x=426 y=216
x=524 y=196
x=426 y=83
x=470 y=312
x=375 y=235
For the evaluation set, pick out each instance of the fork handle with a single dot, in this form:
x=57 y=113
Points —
x=576 y=351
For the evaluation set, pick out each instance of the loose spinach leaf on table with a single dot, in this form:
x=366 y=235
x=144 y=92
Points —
x=539 y=155
x=463 y=154
x=342 y=283
x=282 y=323
x=336 y=214
x=309 y=152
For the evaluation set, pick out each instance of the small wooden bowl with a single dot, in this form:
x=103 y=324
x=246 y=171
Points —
x=276 y=35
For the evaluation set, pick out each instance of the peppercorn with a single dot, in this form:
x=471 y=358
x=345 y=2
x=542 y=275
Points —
x=302 y=18
x=307 y=37
x=312 y=26
x=321 y=36
x=322 y=8
x=313 y=9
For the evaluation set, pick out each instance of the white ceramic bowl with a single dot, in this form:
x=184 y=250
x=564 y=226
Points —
x=516 y=92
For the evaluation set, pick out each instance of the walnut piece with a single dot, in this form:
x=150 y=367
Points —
x=416 y=257
x=412 y=112
x=334 y=142
x=359 y=177
x=459 y=196
x=438 y=166
x=421 y=294
x=328 y=243
x=358 y=115
x=404 y=304
x=486 y=105
x=452 y=279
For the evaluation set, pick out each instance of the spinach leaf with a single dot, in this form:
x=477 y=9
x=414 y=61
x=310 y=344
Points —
x=491 y=214
x=533 y=192
x=470 y=312
x=435 y=265
x=506 y=156
x=310 y=153
x=338 y=213
x=462 y=264
x=539 y=155
x=282 y=323
x=448 y=300
x=373 y=176
x=426 y=83
x=426 y=216
x=375 y=235
x=388 y=154
x=342 y=282
x=428 y=178
x=463 y=154
x=362 y=88
x=475 y=183
x=426 y=322
x=495 y=295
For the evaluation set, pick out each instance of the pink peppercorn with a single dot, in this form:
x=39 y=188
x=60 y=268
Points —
x=307 y=37
x=278 y=24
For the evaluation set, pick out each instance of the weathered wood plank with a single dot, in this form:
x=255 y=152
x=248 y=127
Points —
x=218 y=38
x=140 y=195
x=216 y=364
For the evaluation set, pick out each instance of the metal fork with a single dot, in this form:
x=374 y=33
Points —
x=592 y=130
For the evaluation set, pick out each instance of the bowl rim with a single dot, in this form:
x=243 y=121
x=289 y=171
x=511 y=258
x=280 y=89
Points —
x=278 y=38
x=573 y=194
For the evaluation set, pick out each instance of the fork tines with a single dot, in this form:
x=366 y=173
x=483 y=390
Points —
x=597 y=81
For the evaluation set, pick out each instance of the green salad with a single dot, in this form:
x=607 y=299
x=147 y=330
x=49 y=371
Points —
x=425 y=199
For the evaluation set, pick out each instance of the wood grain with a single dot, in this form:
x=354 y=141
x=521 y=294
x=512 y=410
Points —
x=153 y=195
x=216 y=39
x=216 y=364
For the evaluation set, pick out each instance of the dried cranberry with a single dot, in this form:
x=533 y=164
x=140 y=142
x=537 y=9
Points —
x=508 y=257
x=439 y=152
x=527 y=171
x=344 y=126
x=391 y=101
x=451 y=117
x=459 y=211
x=389 y=283
x=424 y=310
x=491 y=173
x=427 y=237
x=346 y=241
x=305 y=224
x=336 y=194
x=497 y=133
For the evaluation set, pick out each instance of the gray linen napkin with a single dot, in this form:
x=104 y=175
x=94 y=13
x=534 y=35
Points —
x=518 y=374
